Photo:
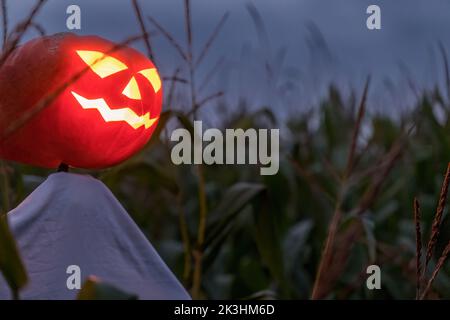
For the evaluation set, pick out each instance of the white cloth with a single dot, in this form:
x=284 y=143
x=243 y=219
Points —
x=73 y=219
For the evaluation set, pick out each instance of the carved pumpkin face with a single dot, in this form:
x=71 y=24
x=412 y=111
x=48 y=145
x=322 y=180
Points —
x=108 y=103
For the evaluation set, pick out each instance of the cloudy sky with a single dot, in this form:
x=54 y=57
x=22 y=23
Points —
x=311 y=42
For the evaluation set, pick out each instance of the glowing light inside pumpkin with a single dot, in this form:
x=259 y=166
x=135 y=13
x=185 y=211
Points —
x=122 y=114
x=132 y=90
x=153 y=77
x=103 y=65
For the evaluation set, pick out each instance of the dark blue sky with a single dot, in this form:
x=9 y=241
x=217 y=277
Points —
x=405 y=47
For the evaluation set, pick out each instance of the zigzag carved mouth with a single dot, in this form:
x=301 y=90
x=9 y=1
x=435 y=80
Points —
x=120 y=114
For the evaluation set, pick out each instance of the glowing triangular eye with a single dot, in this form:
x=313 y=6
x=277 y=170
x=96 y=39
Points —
x=153 y=77
x=103 y=65
x=132 y=90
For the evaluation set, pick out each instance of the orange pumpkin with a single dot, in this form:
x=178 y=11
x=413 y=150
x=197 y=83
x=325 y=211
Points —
x=103 y=102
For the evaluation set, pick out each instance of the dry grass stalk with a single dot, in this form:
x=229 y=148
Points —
x=438 y=267
x=325 y=278
x=209 y=98
x=203 y=210
x=417 y=218
x=187 y=56
x=316 y=187
x=321 y=284
x=190 y=63
x=370 y=171
x=211 y=73
x=438 y=217
x=171 y=93
x=138 y=12
x=380 y=175
x=337 y=259
x=4 y=21
x=39 y=29
x=211 y=39
x=202 y=102
x=188 y=27
x=432 y=240
x=331 y=170
x=169 y=100
x=175 y=78
x=169 y=37
x=19 y=31
x=446 y=68
x=357 y=128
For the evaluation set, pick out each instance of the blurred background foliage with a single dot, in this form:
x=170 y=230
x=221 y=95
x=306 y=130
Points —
x=228 y=232
x=265 y=234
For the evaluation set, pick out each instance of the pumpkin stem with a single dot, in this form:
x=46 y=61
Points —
x=63 y=167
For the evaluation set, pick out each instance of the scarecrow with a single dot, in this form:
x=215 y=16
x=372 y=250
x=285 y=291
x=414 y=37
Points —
x=84 y=102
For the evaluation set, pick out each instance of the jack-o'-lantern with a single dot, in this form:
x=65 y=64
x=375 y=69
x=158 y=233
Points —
x=106 y=104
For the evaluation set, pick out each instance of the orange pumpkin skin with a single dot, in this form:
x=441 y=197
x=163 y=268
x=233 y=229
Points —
x=99 y=116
